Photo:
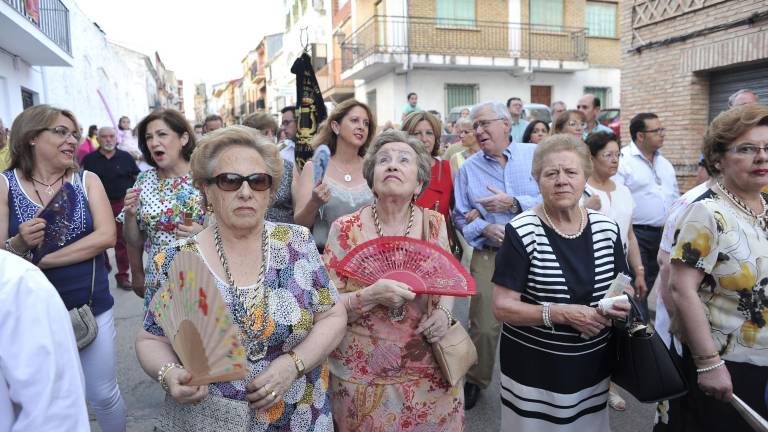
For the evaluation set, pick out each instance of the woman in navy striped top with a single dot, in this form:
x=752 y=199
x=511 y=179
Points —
x=556 y=262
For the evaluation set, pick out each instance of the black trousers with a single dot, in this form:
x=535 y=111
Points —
x=648 y=239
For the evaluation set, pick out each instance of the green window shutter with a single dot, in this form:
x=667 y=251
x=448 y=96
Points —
x=459 y=95
x=601 y=19
x=546 y=12
x=449 y=11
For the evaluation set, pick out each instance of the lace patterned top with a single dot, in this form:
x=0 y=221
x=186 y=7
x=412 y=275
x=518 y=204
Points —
x=162 y=206
x=281 y=209
x=73 y=282
x=300 y=287
x=343 y=202
x=732 y=251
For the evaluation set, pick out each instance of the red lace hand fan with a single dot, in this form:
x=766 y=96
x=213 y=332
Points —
x=426 y=268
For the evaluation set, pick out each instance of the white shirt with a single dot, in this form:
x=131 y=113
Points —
x=618 y=206
x=653 y=187
x=287 y=148
x=41 y=381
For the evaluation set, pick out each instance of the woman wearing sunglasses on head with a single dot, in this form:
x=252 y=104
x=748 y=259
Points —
x=162 y=206
x=265 y=270
x=43 y=145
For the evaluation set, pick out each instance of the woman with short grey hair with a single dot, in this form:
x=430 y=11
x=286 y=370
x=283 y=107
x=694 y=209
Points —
x=556 y=262
x=386 y=350
x=273 y=282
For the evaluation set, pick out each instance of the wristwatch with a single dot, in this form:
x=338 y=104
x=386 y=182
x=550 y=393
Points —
x=298 y=362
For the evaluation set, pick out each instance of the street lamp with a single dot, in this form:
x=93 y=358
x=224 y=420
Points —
x=339 y=36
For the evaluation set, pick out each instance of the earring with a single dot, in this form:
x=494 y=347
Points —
x=209 y=209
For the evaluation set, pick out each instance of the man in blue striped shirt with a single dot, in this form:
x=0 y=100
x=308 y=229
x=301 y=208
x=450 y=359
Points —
x=492 y=186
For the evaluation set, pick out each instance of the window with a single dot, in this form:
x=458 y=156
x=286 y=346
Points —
x=459 y=95
x=455 y=12
x=547 y=12
x=604 y=93
x=601 y=19
x=28 y=98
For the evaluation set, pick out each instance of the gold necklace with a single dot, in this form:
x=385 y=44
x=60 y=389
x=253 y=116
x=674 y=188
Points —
x=376 y=221
x=762 y=219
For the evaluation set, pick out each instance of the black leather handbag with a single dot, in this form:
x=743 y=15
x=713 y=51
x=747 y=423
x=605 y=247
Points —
x=643 y=365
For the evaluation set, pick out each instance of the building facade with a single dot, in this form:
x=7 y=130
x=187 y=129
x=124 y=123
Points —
x=460 y=52
x=683 y=59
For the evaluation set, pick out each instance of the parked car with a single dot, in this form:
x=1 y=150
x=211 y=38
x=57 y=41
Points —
x=611 y=117
x=535 y=111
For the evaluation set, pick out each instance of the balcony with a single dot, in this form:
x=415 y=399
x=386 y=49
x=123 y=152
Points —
x=395 y=43
x=331 y=84
x=41 y=38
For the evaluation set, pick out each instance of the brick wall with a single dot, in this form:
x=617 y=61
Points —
x=673 y=80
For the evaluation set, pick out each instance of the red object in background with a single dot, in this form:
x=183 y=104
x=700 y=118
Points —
x=32 y=8
x=611 y=117
x=423 y=266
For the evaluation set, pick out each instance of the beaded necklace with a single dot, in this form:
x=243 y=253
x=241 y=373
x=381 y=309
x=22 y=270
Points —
x=761 y=219
x=582 y=224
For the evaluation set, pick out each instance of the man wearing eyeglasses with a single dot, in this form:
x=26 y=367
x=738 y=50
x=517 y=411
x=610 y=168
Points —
x=589 y=104
x=289 y=127
x=493 y=185
x=651 y=179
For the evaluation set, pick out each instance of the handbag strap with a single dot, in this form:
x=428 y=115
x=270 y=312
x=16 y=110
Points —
x=93 y=281
x=635 y=314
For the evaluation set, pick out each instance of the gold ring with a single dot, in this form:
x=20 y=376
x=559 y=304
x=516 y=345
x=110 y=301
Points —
x=273 y=394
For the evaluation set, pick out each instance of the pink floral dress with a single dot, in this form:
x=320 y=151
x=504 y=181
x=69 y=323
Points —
x=383 y=375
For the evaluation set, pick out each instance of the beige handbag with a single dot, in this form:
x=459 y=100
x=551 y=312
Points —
x=454 y=353
x=211 y=414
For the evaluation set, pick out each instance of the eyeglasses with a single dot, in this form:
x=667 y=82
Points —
x=231 y=182
x=576 y=123
x=63 y=132
x=748 y=150
x=660 y=131
x=610 y=156
x=484 y=123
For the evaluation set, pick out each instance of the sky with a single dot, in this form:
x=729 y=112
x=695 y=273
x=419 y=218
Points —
x=202 y=41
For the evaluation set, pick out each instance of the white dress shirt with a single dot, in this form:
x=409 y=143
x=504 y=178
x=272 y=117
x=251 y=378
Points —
x=618 y=205
x=287 y=148
x=41 y=382
x=653 y=186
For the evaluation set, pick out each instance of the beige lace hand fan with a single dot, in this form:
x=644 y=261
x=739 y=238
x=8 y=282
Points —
x=195 y=318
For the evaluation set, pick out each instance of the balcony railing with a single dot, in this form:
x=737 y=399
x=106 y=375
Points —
x=52 y=20
x=438 y=36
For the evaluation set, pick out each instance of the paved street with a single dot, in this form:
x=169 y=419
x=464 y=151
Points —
x=143 y=395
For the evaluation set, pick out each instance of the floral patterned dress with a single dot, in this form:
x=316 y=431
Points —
x=163 y=204
x=299 y=287
x=383 y=375
x=732 y=251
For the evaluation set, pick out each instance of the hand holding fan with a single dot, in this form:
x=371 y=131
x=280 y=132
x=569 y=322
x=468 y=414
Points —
x=320 y=162
x=426 y=268
x=58 y=215
x=195 y=318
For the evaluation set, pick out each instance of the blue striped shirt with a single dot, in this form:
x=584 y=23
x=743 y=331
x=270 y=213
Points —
x=480 y=172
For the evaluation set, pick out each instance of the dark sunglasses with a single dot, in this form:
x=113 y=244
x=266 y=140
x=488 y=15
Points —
x=231 y=182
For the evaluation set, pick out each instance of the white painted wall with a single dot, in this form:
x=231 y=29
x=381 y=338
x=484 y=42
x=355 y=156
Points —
x=391 y=89
x=96 y=67
x=14 y=76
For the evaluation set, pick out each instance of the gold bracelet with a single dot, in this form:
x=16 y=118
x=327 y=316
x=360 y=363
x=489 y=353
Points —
x=164 y=371
x=706 y=357
x=447 y=313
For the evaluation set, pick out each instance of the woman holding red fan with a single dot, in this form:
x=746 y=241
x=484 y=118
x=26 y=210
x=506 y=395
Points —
x=383 y=374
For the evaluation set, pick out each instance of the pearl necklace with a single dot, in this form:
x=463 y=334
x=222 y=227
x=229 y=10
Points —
x=762 y=219
x=582 y=224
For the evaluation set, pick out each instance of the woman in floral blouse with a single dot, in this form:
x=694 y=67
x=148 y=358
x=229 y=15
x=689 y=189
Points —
x=384 y=376
x=273 y=282
x=162 y=206
x=719 y=266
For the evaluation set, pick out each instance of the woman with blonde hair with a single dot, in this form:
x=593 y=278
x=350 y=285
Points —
x=43 y=145
x=342 y=190
x=571 y=122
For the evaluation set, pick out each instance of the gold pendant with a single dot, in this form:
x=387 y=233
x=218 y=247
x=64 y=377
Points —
x=49 y=191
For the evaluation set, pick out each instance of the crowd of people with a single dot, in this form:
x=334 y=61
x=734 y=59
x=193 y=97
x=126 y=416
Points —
x=544 y=215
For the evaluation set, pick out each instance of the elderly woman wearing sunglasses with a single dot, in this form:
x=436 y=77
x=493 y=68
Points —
x=271 y=272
